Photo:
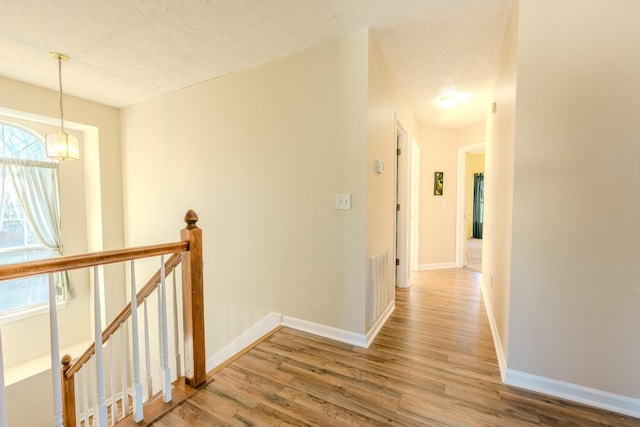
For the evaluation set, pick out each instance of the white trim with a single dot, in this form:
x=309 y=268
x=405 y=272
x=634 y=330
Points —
x=274 y=320
x=402 y=194
x=330 y=332
x=41 y=364
x=382 y=319
x=577 y=393
x=502 y=359
x=25 y=313
x=414 y=207
x=257 y=331
x=440 y=266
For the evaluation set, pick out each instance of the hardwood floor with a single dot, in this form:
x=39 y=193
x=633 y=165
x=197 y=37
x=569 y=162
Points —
x=433 y=364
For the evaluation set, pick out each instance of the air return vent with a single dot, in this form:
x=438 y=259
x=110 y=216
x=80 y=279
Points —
x=378 y=285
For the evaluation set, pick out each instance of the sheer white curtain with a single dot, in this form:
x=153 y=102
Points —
x=36 y=185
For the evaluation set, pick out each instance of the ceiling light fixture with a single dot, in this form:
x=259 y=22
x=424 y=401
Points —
x=61 y=145
x=449 y=98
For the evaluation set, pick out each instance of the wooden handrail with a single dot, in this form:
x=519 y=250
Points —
x=74 y=262
x=146 y=290
x=187 y=252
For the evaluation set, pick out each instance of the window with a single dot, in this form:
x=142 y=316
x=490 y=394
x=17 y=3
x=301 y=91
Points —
x=29 y=216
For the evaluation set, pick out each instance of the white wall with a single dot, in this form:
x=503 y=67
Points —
x=575 y=300
x=260 y=155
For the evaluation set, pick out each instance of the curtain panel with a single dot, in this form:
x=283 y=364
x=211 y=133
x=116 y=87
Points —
x=37 y=189
x=478 y=205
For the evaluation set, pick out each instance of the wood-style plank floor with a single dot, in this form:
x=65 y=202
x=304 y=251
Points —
x=433 y=364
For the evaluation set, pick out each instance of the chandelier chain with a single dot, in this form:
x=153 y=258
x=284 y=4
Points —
x=60 y=86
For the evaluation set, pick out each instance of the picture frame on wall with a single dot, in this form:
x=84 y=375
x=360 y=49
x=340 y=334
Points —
x=438 y=183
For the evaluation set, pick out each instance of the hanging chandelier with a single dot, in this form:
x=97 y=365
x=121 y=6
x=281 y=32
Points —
x=61 y=145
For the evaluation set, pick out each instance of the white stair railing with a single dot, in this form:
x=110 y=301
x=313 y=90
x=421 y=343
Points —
x=86 y=389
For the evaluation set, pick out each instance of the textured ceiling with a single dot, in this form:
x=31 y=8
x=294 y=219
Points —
x=127 y=51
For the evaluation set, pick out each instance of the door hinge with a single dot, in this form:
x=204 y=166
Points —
x=397 y=261
x=399 y=152
x=398 y=207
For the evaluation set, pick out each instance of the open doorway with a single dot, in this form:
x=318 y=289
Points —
x=475 y=221
x=402 y=223
x=470 y=215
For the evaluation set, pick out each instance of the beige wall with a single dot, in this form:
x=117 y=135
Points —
x=85 y=220
x=386 y=103
x=472 y=134
x=439 y=152
x=574 y=288
x=260 y=155
x=498 y=187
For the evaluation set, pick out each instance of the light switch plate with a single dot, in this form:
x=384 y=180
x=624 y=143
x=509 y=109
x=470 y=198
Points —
x=343 y=201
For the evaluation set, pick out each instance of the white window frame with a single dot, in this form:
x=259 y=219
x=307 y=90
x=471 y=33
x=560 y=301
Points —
x=29 y=308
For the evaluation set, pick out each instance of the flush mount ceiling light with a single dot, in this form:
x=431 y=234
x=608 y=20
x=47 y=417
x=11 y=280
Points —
x=449 y=98
x=61 y=145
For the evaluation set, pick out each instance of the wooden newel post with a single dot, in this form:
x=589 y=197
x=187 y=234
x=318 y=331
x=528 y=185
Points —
x=68 y=394
x=193 y=302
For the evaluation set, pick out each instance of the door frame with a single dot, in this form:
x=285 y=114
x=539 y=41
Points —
x=414 y=206
x=401 y=223
x=461 y=241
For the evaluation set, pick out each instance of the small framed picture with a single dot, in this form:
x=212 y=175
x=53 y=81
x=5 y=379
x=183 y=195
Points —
x=438 y=183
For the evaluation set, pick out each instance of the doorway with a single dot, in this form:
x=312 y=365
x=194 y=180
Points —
x=402 y=217
x=468 y=237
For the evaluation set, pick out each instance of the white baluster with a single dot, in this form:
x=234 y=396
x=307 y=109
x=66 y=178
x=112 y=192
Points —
x=123 y=351
x=101 y=417
x=76 y=389
x=55 y=355
x=114 y=402
x=147 y=352
x=160 y=334
x=94 y=390
x=138 y=414
x=85 y=394
x=3 y=398
x=176 y=332
x=165 y=338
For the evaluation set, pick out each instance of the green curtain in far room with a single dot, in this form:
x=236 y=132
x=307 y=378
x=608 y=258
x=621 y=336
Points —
x=478 y=204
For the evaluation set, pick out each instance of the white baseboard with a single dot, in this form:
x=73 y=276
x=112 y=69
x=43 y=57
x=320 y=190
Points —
x=382 y=319
x=274 y=320
x=502 y=359
x=424 y=267
x=257 y=331
x=588 y=396
x=330 y=332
